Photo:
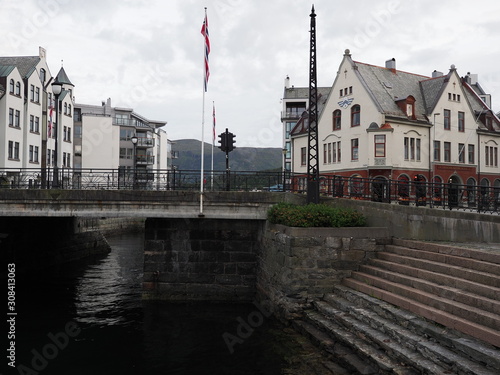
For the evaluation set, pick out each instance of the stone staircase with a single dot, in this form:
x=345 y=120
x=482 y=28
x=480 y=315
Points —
x=417 y=308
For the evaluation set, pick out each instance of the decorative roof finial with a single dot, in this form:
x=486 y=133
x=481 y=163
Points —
x=312 y=12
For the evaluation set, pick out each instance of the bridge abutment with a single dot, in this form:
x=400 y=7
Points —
x=201 y=259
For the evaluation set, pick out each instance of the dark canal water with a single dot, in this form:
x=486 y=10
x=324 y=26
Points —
x=89 y=319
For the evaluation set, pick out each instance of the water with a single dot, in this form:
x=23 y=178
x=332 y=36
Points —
x=89 y=318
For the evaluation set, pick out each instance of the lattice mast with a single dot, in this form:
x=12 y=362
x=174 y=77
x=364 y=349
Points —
x=312 y=134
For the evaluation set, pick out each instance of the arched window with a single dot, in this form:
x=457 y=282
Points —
x=471 y=192
x=337 y=118
x=355 y=115
x=65 y=108
x=11 y=86
x=18 y=88
x=69 y=109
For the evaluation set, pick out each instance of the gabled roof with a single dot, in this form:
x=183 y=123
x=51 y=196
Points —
x=25 y=64
x=432 y=90
x=386 y=86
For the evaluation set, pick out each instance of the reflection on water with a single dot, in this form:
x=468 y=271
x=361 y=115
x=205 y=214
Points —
x=121 y=334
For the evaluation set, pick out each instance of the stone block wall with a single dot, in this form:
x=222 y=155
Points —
x=297 y=265
x=199 y=259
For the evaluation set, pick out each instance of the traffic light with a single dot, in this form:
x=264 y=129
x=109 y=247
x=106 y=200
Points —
x=230 y=141
x=223 y=141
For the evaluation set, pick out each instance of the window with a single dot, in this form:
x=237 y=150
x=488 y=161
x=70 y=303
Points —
x=13 y=150
x=355 y=115
x=11 y=86
x=355 y=149
x=65 y=108
x=461 y=153
x=437 y=150
x=288 y=129
x=42 y=75
x=11 y=116
x=17 y=119
x=334 y=152
x=409 y=110
x=339 y=159
x=447 y=151
x=337 y=117
x=491 y=156
x=329 y=153
x=350 y=89
x=33 y=154
x=78 y=132
x=303 y=156
x=18 y=88
x=461 y=121
x=37 y=94
x=447 y=119
x=325 y=152
x=32 y=93
x=411 y=148
x=380 y=146
x=471 y=154
x=37 y=124
x=32 y=123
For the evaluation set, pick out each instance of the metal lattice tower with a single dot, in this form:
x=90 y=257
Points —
x=312 y=134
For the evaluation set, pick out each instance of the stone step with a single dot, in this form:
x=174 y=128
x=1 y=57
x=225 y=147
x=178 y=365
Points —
x=363 y=356
x=409 y=347
x=485 y=252
x=454 y=260
x=456 y=271
x=473 y=329
x=461 y=344
x=439 y=278
x=439 y=290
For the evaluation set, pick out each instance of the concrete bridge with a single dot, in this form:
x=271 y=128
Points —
x=139 y=203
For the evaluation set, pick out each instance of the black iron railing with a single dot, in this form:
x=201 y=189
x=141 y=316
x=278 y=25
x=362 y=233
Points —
x=416 y=193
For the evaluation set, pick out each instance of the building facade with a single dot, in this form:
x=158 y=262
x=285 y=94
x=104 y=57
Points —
x=28 y=127
x=105 y=137
x=383 y=123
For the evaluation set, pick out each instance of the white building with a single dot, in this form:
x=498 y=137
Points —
x=384 y=123
x=104 y=140
x=26 y=99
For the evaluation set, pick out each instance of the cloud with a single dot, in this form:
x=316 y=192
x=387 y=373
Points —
x=148 y=55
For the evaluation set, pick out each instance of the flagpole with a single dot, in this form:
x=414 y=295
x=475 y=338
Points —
x=206 y=50
x=213 y=144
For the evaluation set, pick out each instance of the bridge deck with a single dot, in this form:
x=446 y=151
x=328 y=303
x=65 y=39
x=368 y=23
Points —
x=129 y=203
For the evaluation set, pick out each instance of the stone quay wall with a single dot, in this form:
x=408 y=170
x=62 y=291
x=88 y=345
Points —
x=298 y=265
x=201 y=259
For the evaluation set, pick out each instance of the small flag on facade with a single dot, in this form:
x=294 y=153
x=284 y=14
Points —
x=204 y=32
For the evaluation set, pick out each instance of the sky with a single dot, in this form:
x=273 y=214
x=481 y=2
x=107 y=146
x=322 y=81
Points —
x=148 y=54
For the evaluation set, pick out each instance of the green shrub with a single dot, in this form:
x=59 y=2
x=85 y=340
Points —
x=314 y=215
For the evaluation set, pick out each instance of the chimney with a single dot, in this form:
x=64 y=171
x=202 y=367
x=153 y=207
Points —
x=391 y=64
x=436 y=74
x=287 y=82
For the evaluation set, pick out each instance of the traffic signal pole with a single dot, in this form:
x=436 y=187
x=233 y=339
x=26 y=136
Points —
x=227 y=145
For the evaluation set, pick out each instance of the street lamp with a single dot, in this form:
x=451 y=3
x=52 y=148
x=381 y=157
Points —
x=284 y=167
x=56 y=90
x=134 y=140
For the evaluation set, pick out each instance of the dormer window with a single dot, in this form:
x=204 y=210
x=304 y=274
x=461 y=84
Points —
x=407 y=106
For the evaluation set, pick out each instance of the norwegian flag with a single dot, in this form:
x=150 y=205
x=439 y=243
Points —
x=204 y=32
x=50 y=125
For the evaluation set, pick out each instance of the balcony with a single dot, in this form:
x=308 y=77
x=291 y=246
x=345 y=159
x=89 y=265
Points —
x=145 y=160
x=145 y=142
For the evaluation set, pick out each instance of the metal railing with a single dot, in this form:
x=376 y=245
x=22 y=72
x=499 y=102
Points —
x=144 y=179
x=404 y=192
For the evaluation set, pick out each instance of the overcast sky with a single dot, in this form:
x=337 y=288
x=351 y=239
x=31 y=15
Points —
x=148 y=54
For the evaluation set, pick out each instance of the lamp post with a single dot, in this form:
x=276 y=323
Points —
x=134 y=140
x=56 y=90
x=284 y=168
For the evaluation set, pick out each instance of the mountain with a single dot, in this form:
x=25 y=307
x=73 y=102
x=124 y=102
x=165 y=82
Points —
x=240 y=159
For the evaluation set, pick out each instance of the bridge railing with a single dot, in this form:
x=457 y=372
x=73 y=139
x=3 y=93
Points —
x=139 y=179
